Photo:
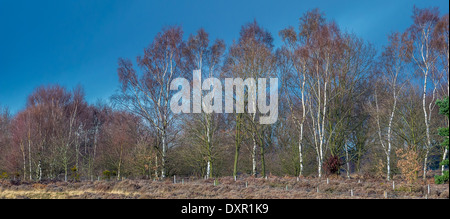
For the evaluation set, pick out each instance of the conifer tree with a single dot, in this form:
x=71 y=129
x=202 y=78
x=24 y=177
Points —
x=444 y=131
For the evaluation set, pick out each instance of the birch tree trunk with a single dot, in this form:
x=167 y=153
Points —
x=29 y=154
x=300 y=146
x=347 y=161
x=156 y=166
x=427 y=125
x=254 y=168
x=208 y=147
x=444 y=157
x=120 y=162
x=163 y=155
x=22 y=148
x=391 y=118
x=95 y=151
x=300 y=141
x=387 y=149
x=237 y=143
x=39 y=171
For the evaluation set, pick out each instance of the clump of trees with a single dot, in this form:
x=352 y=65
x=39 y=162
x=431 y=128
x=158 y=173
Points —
x=344 y=108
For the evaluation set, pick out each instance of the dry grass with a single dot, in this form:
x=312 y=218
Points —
x=226 y=188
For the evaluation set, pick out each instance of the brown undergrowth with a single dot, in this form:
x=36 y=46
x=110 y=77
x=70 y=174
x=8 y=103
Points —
x=226 y=188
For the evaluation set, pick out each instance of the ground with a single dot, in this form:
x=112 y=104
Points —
x=226 y=188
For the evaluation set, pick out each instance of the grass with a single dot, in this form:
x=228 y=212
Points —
x=224 y=188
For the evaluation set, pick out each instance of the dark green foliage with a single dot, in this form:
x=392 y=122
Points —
x=107 y=175
x=3 y=175
x=441 y=179
x=443 y=109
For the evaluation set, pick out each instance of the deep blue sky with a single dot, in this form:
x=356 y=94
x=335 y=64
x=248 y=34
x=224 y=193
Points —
x=72 y=42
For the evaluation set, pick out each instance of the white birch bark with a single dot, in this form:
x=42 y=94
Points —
x=300 y=151
x=425 y=63
x=164 y=150
x=300 y=143
x=29 y=148
x=347 y=160
x=427 y=126
x=387 y=149
x=254 y=169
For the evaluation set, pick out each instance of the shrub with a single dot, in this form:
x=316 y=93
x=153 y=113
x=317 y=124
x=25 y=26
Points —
x=332 y=165
x=4 y=175
x=443 y=109
x=441 y=179
x=408 y=164
x=380 y=168
x=107 y=174
x=75 y=175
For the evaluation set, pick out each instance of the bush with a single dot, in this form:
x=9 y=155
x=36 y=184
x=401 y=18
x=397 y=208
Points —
x=408 y=164
x=444 y=177
x=75 y=175
x=444 y=132
x=441 y=179
x=107 y=174
x=4 y=175
x=332 y=165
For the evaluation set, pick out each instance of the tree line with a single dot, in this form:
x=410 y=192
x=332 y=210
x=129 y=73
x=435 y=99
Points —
x=344 y=108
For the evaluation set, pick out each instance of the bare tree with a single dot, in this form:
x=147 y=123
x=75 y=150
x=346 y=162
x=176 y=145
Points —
x=425 y=56
x=201 y=56
x=352 y=70
x=5 y=138
x=148 y=94
x=292 y=59
x=323 y=41
x=392 y=75
x=252 y=57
